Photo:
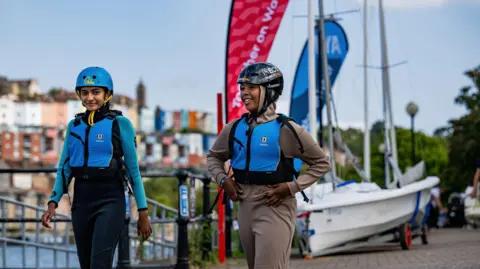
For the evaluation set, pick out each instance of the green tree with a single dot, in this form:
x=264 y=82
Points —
x=53 y=91
x=464 y=149
x=162 y=190
x=432 y=150
x=353 y=138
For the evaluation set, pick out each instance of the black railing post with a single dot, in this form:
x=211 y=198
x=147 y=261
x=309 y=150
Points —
x=123 y=261
x=228 y=227
x=207 y=226
x=182 y=220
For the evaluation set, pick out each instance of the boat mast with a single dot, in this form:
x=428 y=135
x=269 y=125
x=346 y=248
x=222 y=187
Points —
x=326 y=76
x=312 y=96
x=312 y=89
x=366 y=136
x=388 y=116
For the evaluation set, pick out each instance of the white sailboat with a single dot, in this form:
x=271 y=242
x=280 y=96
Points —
x=345 y=215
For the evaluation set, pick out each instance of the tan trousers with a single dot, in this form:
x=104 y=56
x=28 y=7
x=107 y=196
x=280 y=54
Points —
x=266 y=232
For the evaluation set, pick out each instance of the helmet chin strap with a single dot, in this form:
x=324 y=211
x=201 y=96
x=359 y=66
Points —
x=265 y=100
x=261 y=108
x=92 y=113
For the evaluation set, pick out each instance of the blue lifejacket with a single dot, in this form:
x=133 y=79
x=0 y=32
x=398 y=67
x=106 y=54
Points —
x=256 y=156
x=92 y=150
x=255 y=153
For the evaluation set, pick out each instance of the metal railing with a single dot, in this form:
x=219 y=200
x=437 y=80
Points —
x=169 y=237
x=17 y=238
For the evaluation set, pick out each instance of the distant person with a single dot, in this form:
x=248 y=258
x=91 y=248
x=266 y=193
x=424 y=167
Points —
x=95 y=143
x=261 y=146
x=476 y=178
x=436 y=207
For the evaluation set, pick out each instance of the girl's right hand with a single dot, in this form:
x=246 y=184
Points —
x=47 y=216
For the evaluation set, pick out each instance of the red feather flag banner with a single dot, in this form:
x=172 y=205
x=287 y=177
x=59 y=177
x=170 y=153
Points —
x=252 y=27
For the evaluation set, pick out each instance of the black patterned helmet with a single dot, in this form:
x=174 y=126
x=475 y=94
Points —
x=267 y=75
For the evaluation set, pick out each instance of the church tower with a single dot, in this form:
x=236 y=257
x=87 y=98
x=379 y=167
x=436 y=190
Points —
x=141 y=95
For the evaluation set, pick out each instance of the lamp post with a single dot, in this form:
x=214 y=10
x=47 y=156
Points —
x=412 y=110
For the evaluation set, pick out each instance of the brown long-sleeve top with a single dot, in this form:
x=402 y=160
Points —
x=318 y=162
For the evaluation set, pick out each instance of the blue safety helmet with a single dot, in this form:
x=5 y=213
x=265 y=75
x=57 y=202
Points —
x=94 y=77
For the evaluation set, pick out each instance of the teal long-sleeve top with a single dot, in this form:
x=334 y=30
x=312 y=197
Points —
x=127 y=137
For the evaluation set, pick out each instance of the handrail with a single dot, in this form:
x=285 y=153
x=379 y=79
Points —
x=15 y=202
x=166 y=207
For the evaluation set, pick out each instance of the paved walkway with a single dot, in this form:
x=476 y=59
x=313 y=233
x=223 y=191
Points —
x=447 y=249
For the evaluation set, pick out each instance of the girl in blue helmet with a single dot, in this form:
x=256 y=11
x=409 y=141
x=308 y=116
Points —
x=99 y=151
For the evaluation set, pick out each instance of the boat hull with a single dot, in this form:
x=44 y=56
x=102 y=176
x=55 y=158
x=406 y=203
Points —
x=361 y=215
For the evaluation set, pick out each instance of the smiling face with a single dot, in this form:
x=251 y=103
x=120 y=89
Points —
x=93 y=98
x=250 y=94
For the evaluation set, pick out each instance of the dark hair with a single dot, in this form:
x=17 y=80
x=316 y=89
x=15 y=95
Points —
x=108 y=105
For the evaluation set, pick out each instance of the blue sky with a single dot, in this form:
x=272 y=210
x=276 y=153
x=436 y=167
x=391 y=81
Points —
x=178 y=48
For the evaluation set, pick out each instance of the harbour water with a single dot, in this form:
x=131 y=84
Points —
x=14 y=258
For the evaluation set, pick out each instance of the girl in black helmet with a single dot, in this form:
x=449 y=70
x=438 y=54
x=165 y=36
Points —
x=261 y=146
x=98 y=146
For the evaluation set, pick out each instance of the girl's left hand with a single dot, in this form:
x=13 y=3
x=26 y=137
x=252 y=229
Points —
x=144 y=227
x=276 y=194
